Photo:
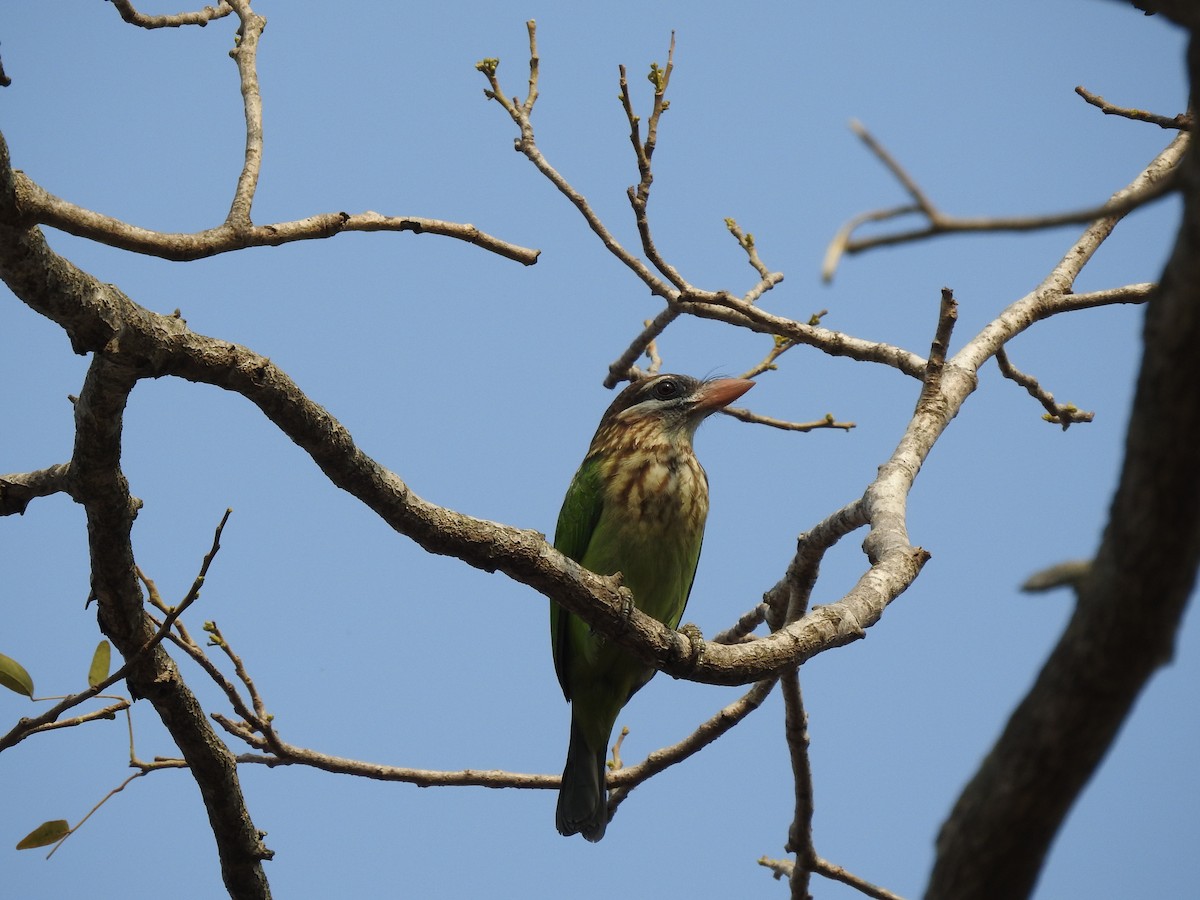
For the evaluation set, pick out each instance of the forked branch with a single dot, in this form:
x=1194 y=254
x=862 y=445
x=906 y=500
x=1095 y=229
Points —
x=939 y=223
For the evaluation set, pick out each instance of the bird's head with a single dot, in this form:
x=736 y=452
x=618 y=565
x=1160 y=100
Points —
x=665 y=407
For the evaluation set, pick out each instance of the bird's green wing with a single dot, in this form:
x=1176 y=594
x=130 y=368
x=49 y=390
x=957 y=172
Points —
x=576 y=523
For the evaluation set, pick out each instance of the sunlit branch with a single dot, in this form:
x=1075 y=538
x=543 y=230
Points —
x=245 y=54
x=1060 y=414
x=800 y=840
x=42 y=207
x=200 y=17
x=940 y=223
x=745 y=415
x=1182 y=121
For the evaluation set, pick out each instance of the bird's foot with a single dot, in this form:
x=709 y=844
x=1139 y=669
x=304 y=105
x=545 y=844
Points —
x=697 y=643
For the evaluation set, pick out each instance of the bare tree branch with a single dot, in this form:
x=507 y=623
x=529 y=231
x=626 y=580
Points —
x=37 y=206
x=245 y=54
x=624 y=780
x=940 y=223
x=200 y=17
x=674 y=289
x=18 y=489
x=1182 y=121
x=526 y=144
x=996 y=838
x=1060 y=414
x=864 y=887
x=745 y=415
x=98 y=484
x=130 y=343
x=800 y=838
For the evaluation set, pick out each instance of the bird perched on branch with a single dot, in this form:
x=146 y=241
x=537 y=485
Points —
x=636 y=506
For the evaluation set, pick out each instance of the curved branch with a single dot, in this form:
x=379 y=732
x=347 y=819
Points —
x=200 y=17
x=38 y=205
x=940 y=223
x=93 y=314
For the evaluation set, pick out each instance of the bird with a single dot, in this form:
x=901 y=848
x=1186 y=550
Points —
x=637 y=505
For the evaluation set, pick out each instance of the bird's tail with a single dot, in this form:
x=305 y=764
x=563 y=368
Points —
x=582 y=799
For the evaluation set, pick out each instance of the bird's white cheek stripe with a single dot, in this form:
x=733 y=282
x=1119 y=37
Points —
x=638 y=409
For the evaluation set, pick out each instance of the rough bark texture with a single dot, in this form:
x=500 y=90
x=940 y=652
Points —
x=1128 y=613
x=89 y=312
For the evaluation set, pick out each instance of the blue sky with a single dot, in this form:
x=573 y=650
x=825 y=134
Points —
x=479 y=382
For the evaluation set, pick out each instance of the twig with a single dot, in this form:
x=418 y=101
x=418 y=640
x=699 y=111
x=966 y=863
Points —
x=780 y=868
x=824 y=867
x=947 y=317
x=534 y=68
x=923 y=203
x=200 y=17
x=184 y=642
x=795 y=729
x=1055 y=294
x=652 y=355
x=745 y=415
x=107 y=712
x=25 y=727
x=779 y=346
x=800 y=840
x=245 y=55
x=1182 y=121
x=746 y=242
x=526 y=144
x=261 y=716
x=102 y=801
x=1065 y=574
x=1065 y=415
x=625 y=780
x=639 y=194
x=623 y=368
x=724 y=307
x=934 y=365
x=680 y=296
x=844 y=243
x=740 y=629
x=615 y=763
x=257 y=731
x=783 y=868
x=1129 y=293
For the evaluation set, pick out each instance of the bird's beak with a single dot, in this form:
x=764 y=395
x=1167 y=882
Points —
x=714 y=395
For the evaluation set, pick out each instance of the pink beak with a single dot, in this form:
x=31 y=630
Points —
x=714 y=395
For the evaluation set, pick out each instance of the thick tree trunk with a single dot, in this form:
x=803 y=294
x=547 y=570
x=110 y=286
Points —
x=1128 y=613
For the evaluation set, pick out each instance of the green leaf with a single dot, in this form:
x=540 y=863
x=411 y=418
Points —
x=45 y=834
x=98 y=670
x=14 y=677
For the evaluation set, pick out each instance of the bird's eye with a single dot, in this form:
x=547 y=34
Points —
x=667 y=389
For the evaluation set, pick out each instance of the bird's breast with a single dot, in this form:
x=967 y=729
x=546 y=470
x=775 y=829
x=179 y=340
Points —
x=658 y=491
